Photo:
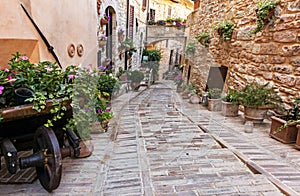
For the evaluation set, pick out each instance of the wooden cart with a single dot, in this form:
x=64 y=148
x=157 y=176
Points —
x=23 y=129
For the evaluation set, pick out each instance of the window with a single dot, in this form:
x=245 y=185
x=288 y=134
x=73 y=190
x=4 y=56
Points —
x=144 y=5
x=151 y=15
x=169 y=11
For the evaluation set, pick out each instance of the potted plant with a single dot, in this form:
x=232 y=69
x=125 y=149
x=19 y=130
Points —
x=214 y=99
x=135 y=77
x=178 y=80
x=161 y=23
x=203 y=38
x=107 y=85
x=264 y=14
x=284 y=126
x=102 y=40
x=104 y=20
x=169 y=21
x=121 y=35
x=224 y=30
x=257 y=100
x=230 y=103
x=195 y=96
x=190 y=48
x=187 y=90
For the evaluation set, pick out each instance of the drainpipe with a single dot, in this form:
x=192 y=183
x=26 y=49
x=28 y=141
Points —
x=127 y=29
x=146 y=36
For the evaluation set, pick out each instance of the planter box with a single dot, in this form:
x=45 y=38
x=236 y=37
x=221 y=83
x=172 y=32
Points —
x=229 y=109
x=256 y=114
x=214 y=105
x=286 y=135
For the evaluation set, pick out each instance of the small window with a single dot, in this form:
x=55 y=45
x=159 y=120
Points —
x=144 y=4
x=169 y=11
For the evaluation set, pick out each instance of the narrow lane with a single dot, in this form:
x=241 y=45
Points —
x=160 y=151
x=154 y=146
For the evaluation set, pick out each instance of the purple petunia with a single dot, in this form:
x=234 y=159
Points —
x=102 y=68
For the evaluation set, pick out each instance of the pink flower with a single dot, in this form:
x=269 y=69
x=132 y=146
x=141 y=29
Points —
x=25 y=58
x=6 y=70
x=49 y=69
x=10 y=79
x=1 y=90
x=107 y=110
x=71 y=76
x=99 y=111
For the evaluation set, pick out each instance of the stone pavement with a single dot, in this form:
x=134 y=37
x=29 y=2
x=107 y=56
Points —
x=159 y=144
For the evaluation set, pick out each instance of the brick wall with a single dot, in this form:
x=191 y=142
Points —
x=272 y=55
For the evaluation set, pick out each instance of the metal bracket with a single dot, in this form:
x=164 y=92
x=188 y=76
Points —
x=74 y=141
x=10 y=155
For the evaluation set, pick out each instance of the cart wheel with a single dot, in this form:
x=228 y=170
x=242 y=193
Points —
x=50 y=174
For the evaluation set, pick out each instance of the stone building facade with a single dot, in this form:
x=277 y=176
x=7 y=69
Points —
x=131 y=16
x=272 y=55
x=69 y=27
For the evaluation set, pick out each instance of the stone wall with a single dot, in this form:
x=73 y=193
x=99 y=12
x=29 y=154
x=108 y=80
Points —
x=272 y=55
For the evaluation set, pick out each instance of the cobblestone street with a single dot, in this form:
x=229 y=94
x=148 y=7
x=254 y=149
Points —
x=159 y=144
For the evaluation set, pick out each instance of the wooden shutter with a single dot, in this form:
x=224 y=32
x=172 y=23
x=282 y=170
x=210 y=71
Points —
x=131 y=21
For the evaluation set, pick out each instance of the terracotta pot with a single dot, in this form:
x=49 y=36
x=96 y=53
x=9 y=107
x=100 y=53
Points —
x=123 y=77
x=179 y=89
x=214 y=105
x=195 y=99
x=121 y=37
x=229 y=109
x=103 y=21
x=102 y=43
x=104 y=125
x=285 y=135
x=256 y=114
x=185 y=95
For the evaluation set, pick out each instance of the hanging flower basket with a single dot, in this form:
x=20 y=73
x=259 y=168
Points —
x=102 y=43
x=103 y=21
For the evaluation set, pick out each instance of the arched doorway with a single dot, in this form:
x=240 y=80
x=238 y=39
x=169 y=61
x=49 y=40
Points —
x=110 y=32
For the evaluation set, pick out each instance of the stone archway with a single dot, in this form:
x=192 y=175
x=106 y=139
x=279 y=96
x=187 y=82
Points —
x=172 y=52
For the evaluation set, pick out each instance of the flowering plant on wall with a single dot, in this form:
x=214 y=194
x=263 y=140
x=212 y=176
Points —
x=106 y=17
x=102 y=37
x=225 y=30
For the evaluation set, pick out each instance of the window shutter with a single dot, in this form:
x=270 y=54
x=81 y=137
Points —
x=131 y=22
